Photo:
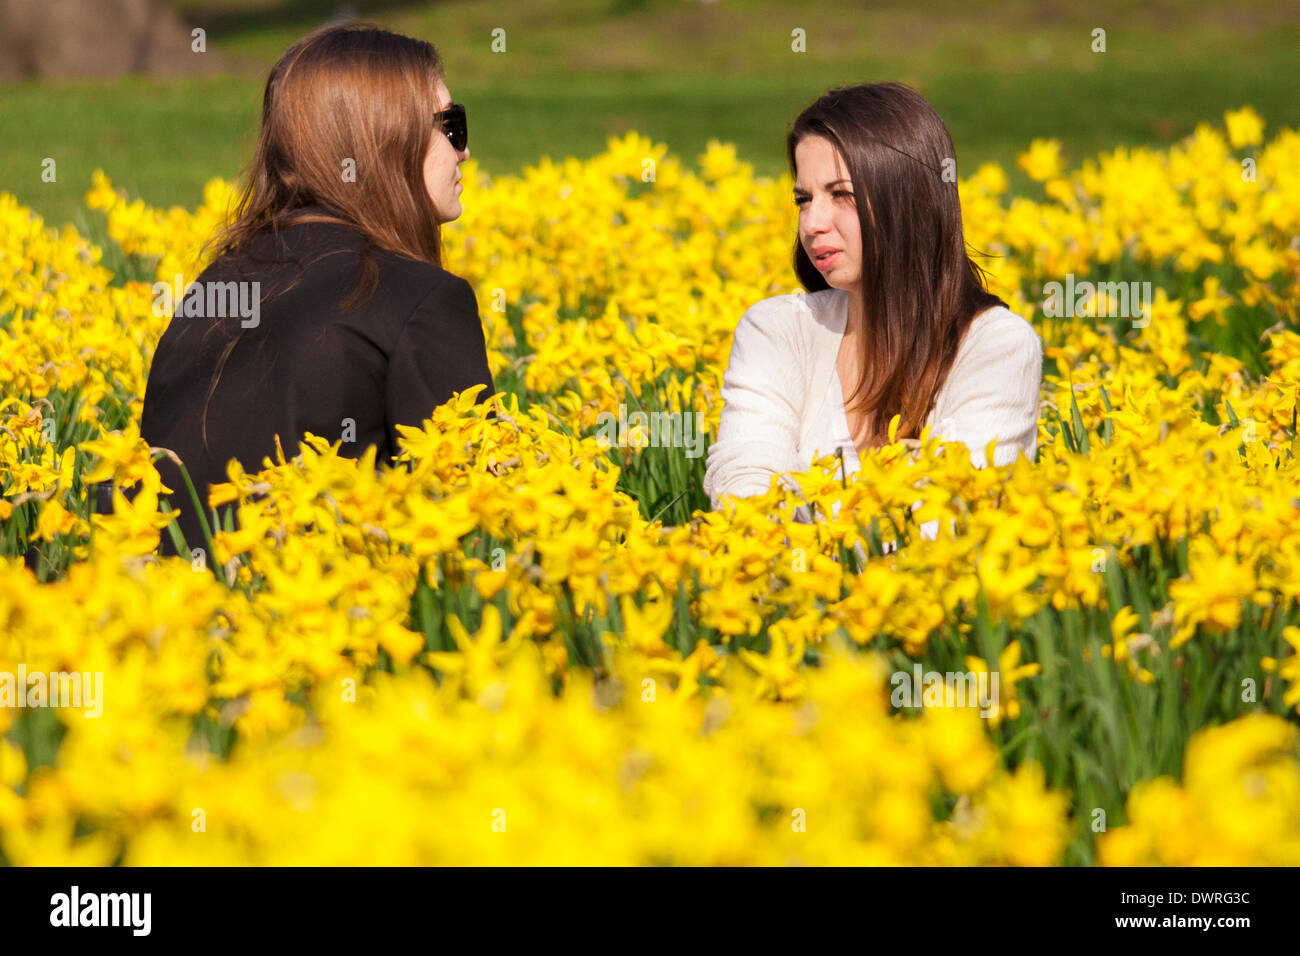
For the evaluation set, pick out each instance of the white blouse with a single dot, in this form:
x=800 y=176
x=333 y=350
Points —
x=830 y=429
x=783 y=402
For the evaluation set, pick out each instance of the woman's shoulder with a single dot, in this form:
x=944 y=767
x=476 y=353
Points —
x=1001 y=317
x=998 y=342
x=998 y=328
x=790 y=306
x=412 y=290
x=334 y=248
x=785 y=317
x=416 y=272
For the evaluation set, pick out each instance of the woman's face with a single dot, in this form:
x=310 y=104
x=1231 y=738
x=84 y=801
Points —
x=828 y=213
x=442 y=167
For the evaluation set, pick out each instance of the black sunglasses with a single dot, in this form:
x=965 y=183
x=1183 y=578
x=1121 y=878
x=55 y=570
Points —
x=454 y=125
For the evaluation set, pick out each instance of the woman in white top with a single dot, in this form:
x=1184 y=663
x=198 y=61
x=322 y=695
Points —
x=897 y=319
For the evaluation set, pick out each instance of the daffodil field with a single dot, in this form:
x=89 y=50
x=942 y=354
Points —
x=528 y=645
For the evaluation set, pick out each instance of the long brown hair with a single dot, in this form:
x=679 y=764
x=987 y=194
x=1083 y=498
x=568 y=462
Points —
x=920 y=288
x=348 y=97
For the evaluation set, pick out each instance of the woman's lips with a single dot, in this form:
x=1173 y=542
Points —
x=827 y=262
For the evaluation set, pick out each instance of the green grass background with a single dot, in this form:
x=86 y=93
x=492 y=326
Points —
x=681 y=72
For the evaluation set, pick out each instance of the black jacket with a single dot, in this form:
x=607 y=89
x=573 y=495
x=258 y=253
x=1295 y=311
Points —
x=307 y=365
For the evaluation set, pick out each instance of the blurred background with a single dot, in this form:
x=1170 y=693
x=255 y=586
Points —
x=114 y=84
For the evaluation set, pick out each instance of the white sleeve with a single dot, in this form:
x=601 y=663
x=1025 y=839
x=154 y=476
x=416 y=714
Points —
x=993 y=393
x=758 y=429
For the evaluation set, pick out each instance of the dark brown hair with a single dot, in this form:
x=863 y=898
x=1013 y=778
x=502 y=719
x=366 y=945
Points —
x=347 y=92
x=920 y=288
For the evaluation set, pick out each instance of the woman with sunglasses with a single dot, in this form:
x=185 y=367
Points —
x=897 y=320
x=355 y=327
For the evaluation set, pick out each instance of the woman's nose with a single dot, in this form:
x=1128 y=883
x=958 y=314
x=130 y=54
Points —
x=816 y=218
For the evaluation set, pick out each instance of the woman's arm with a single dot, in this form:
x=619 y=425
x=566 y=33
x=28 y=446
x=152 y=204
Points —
x=993 y=392
x=758 y=430
x=439 y=350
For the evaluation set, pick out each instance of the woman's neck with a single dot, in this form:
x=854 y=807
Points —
x=856 y=323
